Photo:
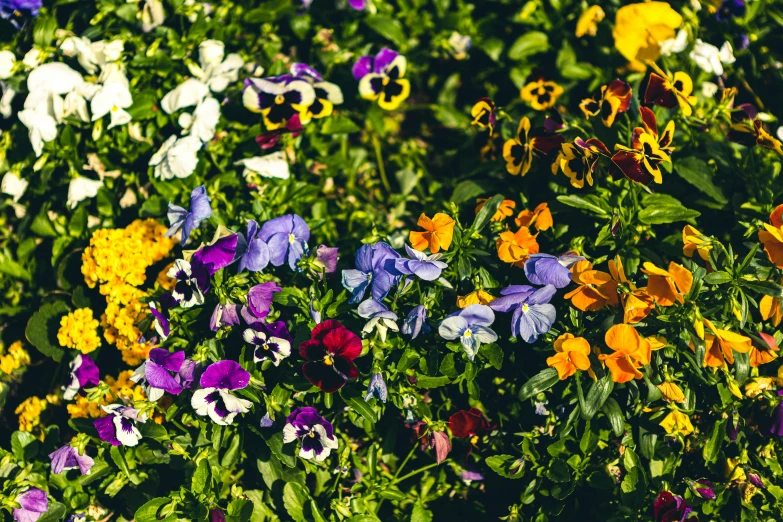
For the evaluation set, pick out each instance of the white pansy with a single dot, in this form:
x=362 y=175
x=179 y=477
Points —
x=14 y=186
x=82 y=49
x=33 y=58
x=152 y=15
x=81 y=188
x=54 y=77
x=211 y=53
x=113 y=98
x=6 y=99
x=221 y=75
x=675 y=45
x=710 y=59
x=177 y=157
x=270 y=166
x=76 y=105
x=708 y=89
x=203 y=121
x=41 y=128
x=779 y=132
x=187 y=94
x=109 y=52
x=7 y=64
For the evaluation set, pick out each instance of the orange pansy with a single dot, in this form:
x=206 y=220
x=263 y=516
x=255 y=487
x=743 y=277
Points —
x=438 y=233
x=765 y=353
x=515 y=247
x=504 y=210
x=721 y=345
x=695 y=241
x=668 y=286
x=596 y=289
x=770 y=309
x=572 y=354
x=541 y=217
x=772 y=237
x=631 y=352
x=638 y=303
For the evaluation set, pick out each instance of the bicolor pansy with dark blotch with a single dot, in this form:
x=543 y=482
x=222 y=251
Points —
x=483 y=113
x=615 y=99
x=748 y=130
x=579 y=159
x=669 y=91
x=327 y=94
x=518 y=151
x=215 y=398
x=648 y=150
x=315 y=433
x=270 y=341
x=382 y=78
x=278 y=99
x=541 y=94
x=192 y=282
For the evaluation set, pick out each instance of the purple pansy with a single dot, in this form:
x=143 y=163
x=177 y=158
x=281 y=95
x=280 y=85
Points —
x=192 y=282
x=161 y=320
x=672 y=508
x=278 y=99
x=189 y=220
x=159 y=373
x=218 y=254
x=33 y=503
x=379 y=317
x=315 y=433
x=270 y=341
x=416 y=322
x=215 y=398
x=259 y=299
x=358 y=5
x=468 y=476
x=224 y=315
x=730 y=9
x=68 y=457
x=733 y=426
x=545 y=269
x=119 y=427
x=370 y=271
x=84 y=372
x=471 y=326
x=327 y=94
x=381 y=78
x=425 y=267
x=286 y=237
x=533 y=315
x=326 y=258
x=12 y=10
x=376 y=388
x=252 y=251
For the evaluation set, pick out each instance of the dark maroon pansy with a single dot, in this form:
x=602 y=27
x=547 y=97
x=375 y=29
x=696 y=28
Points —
x=330 y=353
x=467 y=423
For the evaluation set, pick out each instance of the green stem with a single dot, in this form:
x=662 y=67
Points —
x=404 y=462
x=381 y=168
x=416 y=472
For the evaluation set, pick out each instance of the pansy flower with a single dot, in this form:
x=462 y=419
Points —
x=640 y=28
x=466 y=424
x=189 y=220
x=224 y=315
x=540 y=216
x=33 y=502
x=695 y=241
x=426 y=268
x=218 y=253
x=478 y=296
x=192 y=282
x=677 y=423
x=533 y=315
x=670 y=91
x=648 y=150
x=379 y=317
x=118 y=428
x=286 y=237
x=330 y=353
x=84 y=372
x=518 y=151
x=668 y=286
x=546 y=269
x=376 y=388
x=471 y=326
x=215 y=398
x=671 y=392
x=438 y=233
x=615 y=99
x=638 y=303
x=327 y=94
x=572 y=353
x=159 y=373
x=596 y=288
x=748 y=130
x=630 y=352
x=483 y=114
x=370 y=271
x=721 y=345
x=18 y=11
x=161 y=318
x=68 y=457
x=259 y=301
x=516 y=247
x=315 y=433
x=279 y=99
x=672 y=508
x=293 y=126
x=382 y=78
x=579 y=159
x=505 y=209
x=772 y=237
x=731 y=8
x=416 y=322
x=541 y=94
x=270 y=341
x=252 y=251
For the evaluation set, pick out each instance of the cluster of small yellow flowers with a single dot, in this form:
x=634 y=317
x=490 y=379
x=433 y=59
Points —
x=119 y=324
x=15 y=358
x=79 y=330
x=29 y=412
x=121 y=389
x=167 y=283
x=82 y=408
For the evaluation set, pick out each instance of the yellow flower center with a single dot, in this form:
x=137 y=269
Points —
x=291 y=238
x=468 y=333
x=328 y=361
x=312 y=435
x=279 y=99
x=525 y=307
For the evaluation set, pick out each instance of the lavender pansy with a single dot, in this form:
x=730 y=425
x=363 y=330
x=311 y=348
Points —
x=545 y=269
x=315 y=433
x=33 y=503
x=416 y=322
x=379 y=318
x=533 y=315
x=270 y=341
x=278 y=99
x=425 y=267
x=315 y=315
x=84 y=372
x=200 y=210
x=118 y=428
x=158 y=373
x=376 y=388
x=192 y=282
x=327 y=94
x=252 y=251
x=215 y=399
x=224 y=315
x=68 y=457
x=326 y=258
x=471 y=326
x=370 y=271
x=259 y=298
x=286 y=237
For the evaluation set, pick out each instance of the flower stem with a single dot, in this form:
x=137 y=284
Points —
x=416 y=472
x=381 y=168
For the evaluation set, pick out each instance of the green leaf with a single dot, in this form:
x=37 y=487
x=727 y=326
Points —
x=579 y=202
x=44 y=29
x=764 y=287
x=200 y=476
x=465 y=191
x=717 y=278
x=353 y=399
x=294 y=498
x=506 y=466
x=42 y=329
x=153 y=206
x=712 y=448
x=339 y=124
x=24 y=446
x=56 y=511
x=421 y=514
x=528 y=44
x=408 y=359
x=660 y=214
x=275 y=443
x=117 y=456
x=615 y=415
x=427 y=382
x=11 y=268
x=697 y=173
x=485 y=214
x=388 y=28
x=538 y=383
x=494 y=354
x=558 y=471
x=596 y=396
x=152 y=511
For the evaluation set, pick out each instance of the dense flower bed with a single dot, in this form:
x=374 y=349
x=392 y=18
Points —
x=367 y=260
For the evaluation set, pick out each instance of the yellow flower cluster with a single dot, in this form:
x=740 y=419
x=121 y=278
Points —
x=29 y=412
x=122 y=388
x=117 y=260
x=79 y=330
x=16 y=357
